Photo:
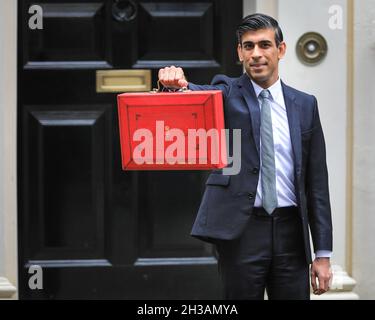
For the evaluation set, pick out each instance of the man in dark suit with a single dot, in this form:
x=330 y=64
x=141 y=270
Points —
x=259 y=219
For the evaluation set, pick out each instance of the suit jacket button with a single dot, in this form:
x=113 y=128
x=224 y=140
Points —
x=251 y=195
x=255 y=170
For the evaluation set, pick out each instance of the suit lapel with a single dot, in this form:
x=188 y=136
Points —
x=252 y=103
x=293 y=114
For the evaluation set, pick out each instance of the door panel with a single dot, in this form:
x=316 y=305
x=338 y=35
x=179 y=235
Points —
x=66 y=191
x=160 y=26
x=98 y=231
x=73 y=35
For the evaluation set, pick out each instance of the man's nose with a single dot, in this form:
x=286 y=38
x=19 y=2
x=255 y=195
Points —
x=257 y=53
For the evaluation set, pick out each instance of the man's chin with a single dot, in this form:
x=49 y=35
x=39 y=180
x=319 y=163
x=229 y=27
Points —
x=258 y=78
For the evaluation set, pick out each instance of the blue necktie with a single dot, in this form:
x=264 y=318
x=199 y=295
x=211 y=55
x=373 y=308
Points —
x=268 y=177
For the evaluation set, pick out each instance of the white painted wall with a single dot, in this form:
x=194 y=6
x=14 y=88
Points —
x=248 y=7
x=364 y=149
x=327 y=81
x=269 y=7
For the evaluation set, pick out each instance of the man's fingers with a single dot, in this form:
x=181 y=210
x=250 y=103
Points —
x=172 y=77
x=321 y=283
x=179 y=74
x=321 y=269
x=313 y=281
x=161 y=74
x=181 y=78
x=169 y=76
x=318 y=288
x=183 y=83
x=165 y=79
x=324 y=282
x=319 y=292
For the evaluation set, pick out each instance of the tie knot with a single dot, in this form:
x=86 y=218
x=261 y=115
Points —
x=265 y=94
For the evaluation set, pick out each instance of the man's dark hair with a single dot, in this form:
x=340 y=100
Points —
x=258 y=21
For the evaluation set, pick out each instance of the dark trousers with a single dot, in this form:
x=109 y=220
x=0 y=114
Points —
x=269 y=255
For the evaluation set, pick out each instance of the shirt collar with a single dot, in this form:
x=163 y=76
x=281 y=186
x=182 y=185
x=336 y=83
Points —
x=275 y=90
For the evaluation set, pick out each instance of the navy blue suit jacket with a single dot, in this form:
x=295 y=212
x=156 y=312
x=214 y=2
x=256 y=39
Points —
x=229 y=200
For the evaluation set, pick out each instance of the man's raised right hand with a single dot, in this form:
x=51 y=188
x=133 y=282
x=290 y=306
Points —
x=172 y=77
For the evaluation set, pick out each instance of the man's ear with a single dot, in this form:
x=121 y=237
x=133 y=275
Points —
x=282 y=50
x=239 y=51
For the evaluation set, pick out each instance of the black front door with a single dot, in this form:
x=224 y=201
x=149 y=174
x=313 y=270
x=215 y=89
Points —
x=95 y=230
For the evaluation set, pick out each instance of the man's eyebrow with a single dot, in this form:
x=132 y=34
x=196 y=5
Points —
x=266 y=41
x=261 y=41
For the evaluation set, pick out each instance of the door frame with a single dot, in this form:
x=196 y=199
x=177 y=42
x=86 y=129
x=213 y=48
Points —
x=8 y=151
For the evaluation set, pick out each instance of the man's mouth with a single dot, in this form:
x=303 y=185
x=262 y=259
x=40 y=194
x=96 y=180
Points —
x=257 y=65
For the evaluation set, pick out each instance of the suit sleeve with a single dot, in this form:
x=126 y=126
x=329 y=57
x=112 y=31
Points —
x=318 y=203
x=219 y=82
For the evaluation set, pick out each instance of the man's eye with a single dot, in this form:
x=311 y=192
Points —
x=248 y=46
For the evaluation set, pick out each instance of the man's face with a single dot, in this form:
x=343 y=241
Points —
x=260 y=56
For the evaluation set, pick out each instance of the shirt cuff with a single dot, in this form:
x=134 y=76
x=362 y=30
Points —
x=323 y=254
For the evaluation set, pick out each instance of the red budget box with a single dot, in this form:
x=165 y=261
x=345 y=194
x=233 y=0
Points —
x=172 y=131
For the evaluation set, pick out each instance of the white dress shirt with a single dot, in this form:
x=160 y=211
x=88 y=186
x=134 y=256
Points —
x=284 y=163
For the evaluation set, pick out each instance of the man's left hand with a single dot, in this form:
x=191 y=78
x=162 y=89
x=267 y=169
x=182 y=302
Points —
x=321 y=269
